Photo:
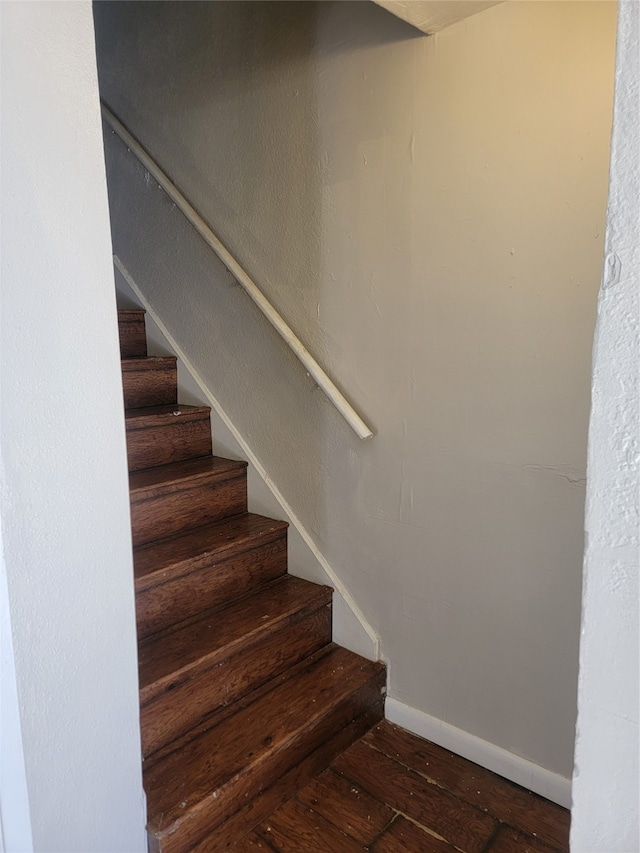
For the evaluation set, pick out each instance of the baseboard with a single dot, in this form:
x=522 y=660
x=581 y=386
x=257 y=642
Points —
x=365 y=640
x=531 y=776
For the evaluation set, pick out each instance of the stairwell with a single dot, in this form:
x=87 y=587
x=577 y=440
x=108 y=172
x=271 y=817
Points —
x=243 y=696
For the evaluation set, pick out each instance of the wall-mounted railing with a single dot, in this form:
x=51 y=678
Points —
x=293 y=342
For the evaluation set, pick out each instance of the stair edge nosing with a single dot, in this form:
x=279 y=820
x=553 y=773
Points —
x=321 y=598
x=310 y=723
x=136 y=419
x=231 y=470
x=179 y=568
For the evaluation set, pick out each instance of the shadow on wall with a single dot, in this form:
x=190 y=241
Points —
x=220 y=93
x=224 y=95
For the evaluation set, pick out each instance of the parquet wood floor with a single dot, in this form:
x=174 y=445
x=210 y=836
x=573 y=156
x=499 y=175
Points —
x=393 y=792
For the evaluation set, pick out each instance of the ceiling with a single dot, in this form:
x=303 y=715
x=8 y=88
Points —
x=429 y=16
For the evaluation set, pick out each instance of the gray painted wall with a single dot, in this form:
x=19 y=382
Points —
x=71 y=764
x=428 y=214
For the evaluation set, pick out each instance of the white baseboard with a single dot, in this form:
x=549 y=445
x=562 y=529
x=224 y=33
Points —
x=525 y=773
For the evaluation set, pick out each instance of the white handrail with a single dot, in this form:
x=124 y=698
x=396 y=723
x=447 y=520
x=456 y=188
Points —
x=313 y=368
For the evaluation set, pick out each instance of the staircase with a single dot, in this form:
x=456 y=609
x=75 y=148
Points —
x=243 y=695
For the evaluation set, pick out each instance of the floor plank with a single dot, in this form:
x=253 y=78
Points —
x=251 y=844
x=346 y=806
x=393 y=792
x=405 y=837
x=294 y=828
x=479 y=787
x=461 y=824
x=509 y=840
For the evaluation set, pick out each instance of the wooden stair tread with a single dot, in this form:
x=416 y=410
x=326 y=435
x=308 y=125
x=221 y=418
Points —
x=223 y=538
x=177 y=472
x=168 y=657
x=205 y=567
x=167 y=414
x=224 y=765
x=148 y=362
x=131 y=313
x=243 y=697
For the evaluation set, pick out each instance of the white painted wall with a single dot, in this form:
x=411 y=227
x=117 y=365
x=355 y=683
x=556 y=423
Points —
x=606 y=780
x=427 y=213
x=64 y=500
x=15 y=819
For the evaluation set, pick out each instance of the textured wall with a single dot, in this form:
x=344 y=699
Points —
x=427 y=213
x=606 y=778
x=64 y=501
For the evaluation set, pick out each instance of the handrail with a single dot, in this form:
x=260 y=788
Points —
x=313 y=368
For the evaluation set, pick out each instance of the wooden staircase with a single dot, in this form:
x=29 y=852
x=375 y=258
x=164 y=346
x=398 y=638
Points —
x=243 y=696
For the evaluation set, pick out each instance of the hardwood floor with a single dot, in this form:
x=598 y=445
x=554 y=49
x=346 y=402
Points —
x=392 y=792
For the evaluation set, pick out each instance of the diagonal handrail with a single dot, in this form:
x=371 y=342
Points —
x=293 y=342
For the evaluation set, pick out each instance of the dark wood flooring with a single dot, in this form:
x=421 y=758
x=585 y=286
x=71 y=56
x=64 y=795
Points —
x=393 y=792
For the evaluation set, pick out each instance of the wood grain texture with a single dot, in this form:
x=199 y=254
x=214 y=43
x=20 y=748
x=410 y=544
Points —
x=144 y=483
x=252 y=843
x=214 y=775
x=131 y=329
x=265 y=803
x=244 y=702
x=176 y=580
x=213 y=685
x=168 y=657
x=200 y=548
x=188 y=673
x=457 y=822
x=294 y=828
x=348 y=807
x=160 y=435
x=150 y=381
x=509 y=840
x=405 y=837
x=508 y=802
x=173 y=498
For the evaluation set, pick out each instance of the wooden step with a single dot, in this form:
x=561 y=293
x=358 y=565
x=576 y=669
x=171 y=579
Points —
x=206 y=567
x=265 y=803
x=151 y=381
x=190 y=671
x=158 y=435
x=194 y=786
x=173 y=498
x=133 y=338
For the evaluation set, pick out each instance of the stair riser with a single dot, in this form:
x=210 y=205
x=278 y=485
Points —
x=133 y=340
x=171 y=510
x=243 y=787
x=180 y=708
x=259 y=809
x=190 y=588
x=161 y=445
x=239 y=707
x=157 y=387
